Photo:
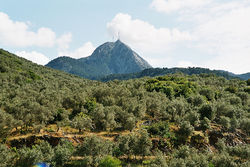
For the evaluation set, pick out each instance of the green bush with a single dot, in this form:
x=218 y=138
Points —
x=6 y=156
x=186 y=129
x=159 y=129
x=241 y=151
x=235 y=100
x=208 y=93
x=110 y=161
x=220 y=145
x=248 y=82
x=245 y=125
x=95 y=147
x=29 y=156
x=223 y=160
x=225 y=122
x=196 y=100
x=208 y=111
x=247 y=89
x=231 y=89
x=159 y=161
x=193 y=117
x=205 y=124
x=62 y=153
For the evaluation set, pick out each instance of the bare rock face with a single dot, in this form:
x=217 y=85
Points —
x=109 y=58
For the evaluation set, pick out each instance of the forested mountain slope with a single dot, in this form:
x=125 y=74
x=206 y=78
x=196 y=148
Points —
x=173 y=120
x=245 y=76
x=153 y=72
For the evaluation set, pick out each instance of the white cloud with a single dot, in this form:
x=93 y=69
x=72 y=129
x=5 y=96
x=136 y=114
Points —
x=220 y=29
x=160 y=61
x=235 y=61
x=64 y=41
x=84 y=51
x=18 y=34
x=185 y=64
x=227 y=36
x=33 y=56
x=143 y=36
x=231 y=29
x=168 y=6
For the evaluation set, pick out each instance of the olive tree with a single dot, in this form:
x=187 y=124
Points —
x=81 y=122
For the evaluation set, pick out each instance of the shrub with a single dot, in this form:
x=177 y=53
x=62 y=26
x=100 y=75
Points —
x=188 y=157
x=159 y=129
x=193 y=118
x=95 y=147
x=234 y=124
x=177 y=109
x=208 y=111
x=242 y=151
x=81 y=121
x=231 y=89
x=177 y=162
x=169 y=91
x=110 y=161
x=248 y=82
x=235 y=100
x=3 y=68
x=196 y=100
x=205 y=124
x=29 y=157
x=63 y=152
x=186 y=129
x=183 y=152
x=244 y=97
x=225 y=122
x=245 y=125
x=223 y=160
x=247 y=89
x=143 y=144
x=197 y=160
x=6 y=156
x=160 y=160
x=220 y=145
x=208 y=93
x=47 y=151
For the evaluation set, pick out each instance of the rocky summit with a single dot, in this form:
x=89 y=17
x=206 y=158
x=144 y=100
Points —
x=109 y=58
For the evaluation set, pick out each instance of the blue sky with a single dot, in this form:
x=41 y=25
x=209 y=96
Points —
x=167 y=33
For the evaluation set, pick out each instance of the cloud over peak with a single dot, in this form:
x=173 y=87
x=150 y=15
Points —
x=143 y=36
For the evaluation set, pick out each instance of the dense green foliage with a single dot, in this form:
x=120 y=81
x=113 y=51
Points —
x=110 y=162
x=153 y=72
x=176 y=116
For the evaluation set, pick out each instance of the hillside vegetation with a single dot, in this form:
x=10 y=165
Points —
x=153 y=72
x=173 y=120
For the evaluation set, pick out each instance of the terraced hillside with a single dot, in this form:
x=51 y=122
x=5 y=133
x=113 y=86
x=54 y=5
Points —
x=173 y=120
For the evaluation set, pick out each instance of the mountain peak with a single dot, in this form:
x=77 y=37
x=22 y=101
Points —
x=118 y=41
x=121 y=44
x=108 y=58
